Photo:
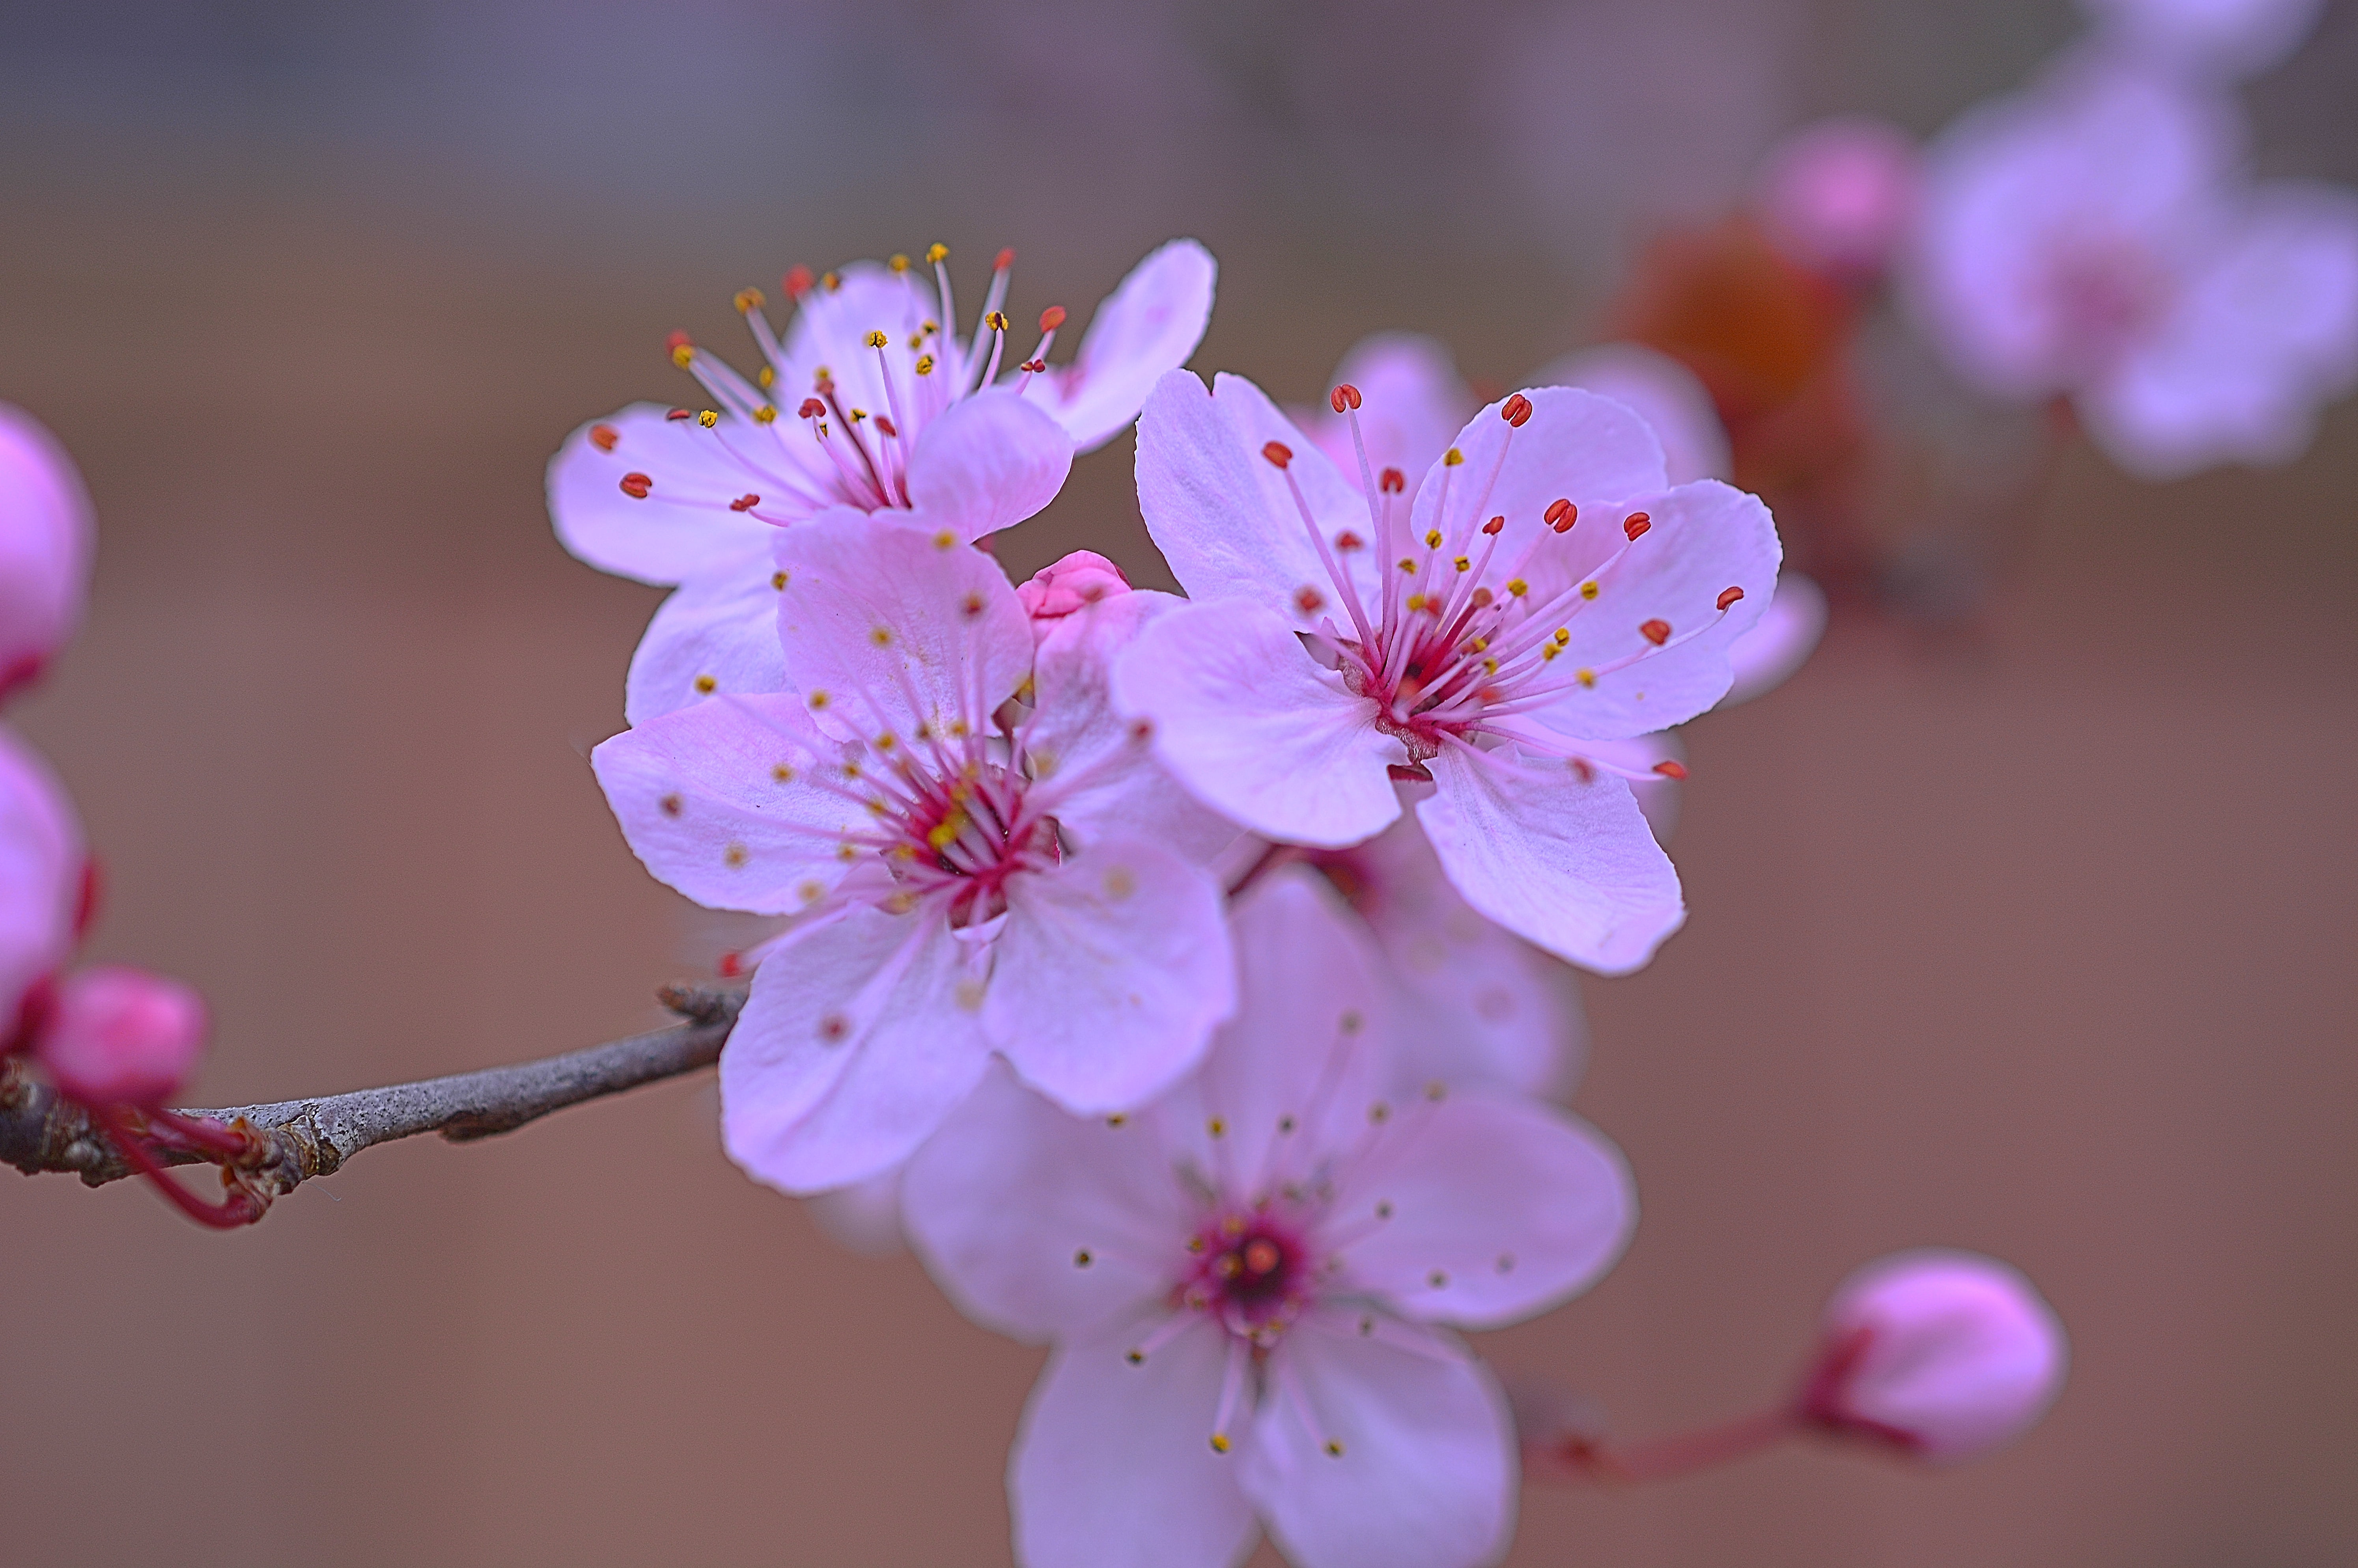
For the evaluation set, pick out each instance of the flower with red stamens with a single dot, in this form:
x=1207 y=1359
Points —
x=1252 y=1285
x=981 y=855
x=1546 y=591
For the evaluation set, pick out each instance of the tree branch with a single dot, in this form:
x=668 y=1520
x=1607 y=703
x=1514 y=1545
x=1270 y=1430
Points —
x=293 y=1140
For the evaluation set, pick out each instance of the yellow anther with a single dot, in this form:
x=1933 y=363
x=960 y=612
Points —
x=937 y=253
x=782 y=774
x=882 y=636
x=1218 y=1127
x=831 y=283
x=709 y=419
x=1433 y=538
x=885 y=743
x=1407 y=566
x=925 y=364
x=1518 y=587
x=1479 y=644
x=1489 y=666
x=929 y=326
x=1588 y=591
x=1548 y=651
x=1415 y=602
x=1452 y=458
x=945 y=832
x=747 y=301
x=1585 y=677
x=1335 y=1448
x=736 y=854
x=704 y=685
x=945 y=539
x=778 y=581
x=767 y=377
x=766 y=414
x=1463 y=565
x=819 y=699
x=846 y=853
x=897 y=262
x=1219 y=1443
x=876 y=339
x=858 y=414
x=1562 y=635
x=684 y=356
x=810 y=892
x=996 y=321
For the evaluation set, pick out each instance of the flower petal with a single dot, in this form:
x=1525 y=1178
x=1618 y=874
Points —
x=1145 y=329
x=889 y=627
x=1221 y=513
x=860 y=1036
x=1113 y=1466
x=1779 y=642
x=987 y=463
x=1005 y=1202
x=1576 y=446
x=1664 y=393
x=1494 y=1208
x=41 y=861
x=1109 y=974
x=719 y=802
x=1412 y=402
x=1249 y=722
x=45 y=540
x=1566 y=864
x=683 y=526
x=1427 y=1473
x=717 y=632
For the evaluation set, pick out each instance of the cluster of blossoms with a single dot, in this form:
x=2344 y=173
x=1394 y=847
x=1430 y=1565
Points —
x=116 y=1041
x=1187 y=971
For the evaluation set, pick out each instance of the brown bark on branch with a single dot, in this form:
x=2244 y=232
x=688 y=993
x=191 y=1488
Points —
x=293 y=1140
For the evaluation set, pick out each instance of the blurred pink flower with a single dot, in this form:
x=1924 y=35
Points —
x=45 y=541
x=1555 y=592
x=41 y=876
x=967 y=881
x=122 y=1036
x=1840 y=195
x=1942 y=1355
x=2093 y=237
x=1246 y=1284
x=2219 y=38
x=878 y=407
x=1074 y=581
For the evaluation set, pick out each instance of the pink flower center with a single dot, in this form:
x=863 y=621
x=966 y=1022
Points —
x=1252 y=1271
x=2102 y=293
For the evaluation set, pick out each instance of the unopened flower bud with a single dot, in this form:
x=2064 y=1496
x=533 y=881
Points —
x=1056 y=591
x=1942 y=1355
x=40 y=881
x=1839 y=196
x=44 y=534
x=122 y=1036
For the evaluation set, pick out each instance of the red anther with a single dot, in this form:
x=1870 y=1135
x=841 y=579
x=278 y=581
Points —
x=603 y=436
x=1347 y=540
x=1278 y=452
x=1392 y=482
x=1729 y=596
x=1309 y=600
x=1493 y=526
x=1636 y=524
x=1052 y=318
x=1561 y=515
x=886 y=426
x=1006 y=259
x=1655 y=632
x=678 y=340
x=1516 y=410
x=1582 y=770
x=636 y=485
x=811 y=409
x=1671 y=769
x=679 y=414
x=731 y=965
x=797 y=282
x=1033 y=366
x=1344 y=398
x=745 y=502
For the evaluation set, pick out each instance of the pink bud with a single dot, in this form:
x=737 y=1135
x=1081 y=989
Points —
x=1944 y=1355
x=1841 y=195
x=45 y=533
x=1056 y=591
x=121 y=1036
x=40 y=878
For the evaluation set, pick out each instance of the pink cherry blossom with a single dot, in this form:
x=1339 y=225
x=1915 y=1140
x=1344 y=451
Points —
x=1840 y=195
x=41 y=861
x=45 y=541
x=1942 y=1355
x=1665 y=394
x=1549 y=589
x=122 y=1036
x=1250 y=1286
x=2217 y=39
x=1078 y=580
x=2094 y=236
x=966 y=878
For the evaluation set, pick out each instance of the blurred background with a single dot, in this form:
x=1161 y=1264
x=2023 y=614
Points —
x=2021 y=924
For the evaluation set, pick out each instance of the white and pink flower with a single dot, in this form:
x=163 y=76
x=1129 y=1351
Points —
x=41 y=885
x=45 y=547
x=2095 y=237
x=1548 y=592
x=874 y=401
x=1251 y=1285
x=970 y=873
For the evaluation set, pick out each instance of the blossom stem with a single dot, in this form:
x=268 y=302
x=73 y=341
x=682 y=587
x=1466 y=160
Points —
x=1665 y=1458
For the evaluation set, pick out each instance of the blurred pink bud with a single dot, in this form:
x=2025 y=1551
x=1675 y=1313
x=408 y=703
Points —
x=1840 y=195
x=40 y=879
x=1057 y=589
x=122 y=1036
x=1944 y=1355
x=45 y=532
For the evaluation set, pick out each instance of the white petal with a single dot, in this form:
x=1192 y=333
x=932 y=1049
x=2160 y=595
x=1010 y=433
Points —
x=718 y=633
x=683 y=526
x=1141 y=332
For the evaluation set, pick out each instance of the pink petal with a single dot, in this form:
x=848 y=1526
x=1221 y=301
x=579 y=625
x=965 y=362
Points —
x=1220 y=512
x=1779 y=642
x=830 y=327
x=1565 y=864
x=1071 y=582
x=698 y=794
x=888 y=626
x=1576 y=446
x=45 y=545
x=1494 y=1208
x=1109 y=974
x=1005 y=1200
x=1113 y=1466
x=986 y=463
x=122 y=1036
x=861 y=1033
x=717 y=632
x=41 y=861
x=1426 y=1476
x=1145 y=329
x=1245 y=718
x=1412 y=402
x=1662 y=391
x=1840 y=195
x=2216 y=38
x=683 y=528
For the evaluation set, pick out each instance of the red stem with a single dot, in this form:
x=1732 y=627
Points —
x=232 y=1212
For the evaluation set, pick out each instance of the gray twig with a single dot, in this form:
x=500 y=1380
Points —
x=293 y=1140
